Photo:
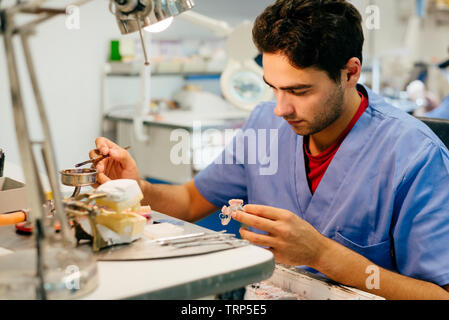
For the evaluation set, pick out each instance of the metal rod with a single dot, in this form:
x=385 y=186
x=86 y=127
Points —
x=195 y=238
x=43 y=10
x=202 y=238
x=229 y=242
x=142 y=39
x=24 y=6
x=40 y=236
x=76 y=192
x=30 y=6
x=34 y=192
x=34 y=8
x=48 y=153
x=26 y=152
x=162 y=240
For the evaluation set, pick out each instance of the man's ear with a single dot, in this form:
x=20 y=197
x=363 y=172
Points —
x=352 y=71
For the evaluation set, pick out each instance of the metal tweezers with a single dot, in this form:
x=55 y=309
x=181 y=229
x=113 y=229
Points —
x=199 y=239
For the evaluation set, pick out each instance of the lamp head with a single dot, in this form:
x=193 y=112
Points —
x=132 y=15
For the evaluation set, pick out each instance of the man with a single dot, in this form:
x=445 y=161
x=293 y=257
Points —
x=359 y=185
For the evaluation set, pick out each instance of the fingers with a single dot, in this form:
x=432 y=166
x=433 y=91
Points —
x=107 y=147
x=94 y=153
x=102 y=178
x=121 y=155
x=99 y=165
x=254 y=221
x=267 y=242
x=258 y=239
x=104 y=145
x=264 y=211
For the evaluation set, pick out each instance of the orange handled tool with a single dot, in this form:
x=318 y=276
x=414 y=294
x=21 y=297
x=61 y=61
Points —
x=12 y=218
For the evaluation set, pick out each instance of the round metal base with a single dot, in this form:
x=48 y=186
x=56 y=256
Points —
x=69 y=273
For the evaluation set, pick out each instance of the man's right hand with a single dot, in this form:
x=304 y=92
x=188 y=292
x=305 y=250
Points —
x=119 y=164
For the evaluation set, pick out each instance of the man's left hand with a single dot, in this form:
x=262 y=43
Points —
x=292 y=240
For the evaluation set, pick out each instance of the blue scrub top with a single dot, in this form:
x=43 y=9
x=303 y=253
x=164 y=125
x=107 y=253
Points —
x=385 y=194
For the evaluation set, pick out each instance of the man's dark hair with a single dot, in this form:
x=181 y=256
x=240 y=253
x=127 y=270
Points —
x=323 y=34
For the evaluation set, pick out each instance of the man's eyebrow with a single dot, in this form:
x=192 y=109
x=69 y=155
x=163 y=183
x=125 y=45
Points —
x=293 y=87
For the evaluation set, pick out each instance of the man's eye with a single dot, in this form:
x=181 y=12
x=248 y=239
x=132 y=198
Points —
x=298 y=93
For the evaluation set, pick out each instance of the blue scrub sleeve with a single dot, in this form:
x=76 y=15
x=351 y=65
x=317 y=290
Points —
x=421 y=227
x=226 y=177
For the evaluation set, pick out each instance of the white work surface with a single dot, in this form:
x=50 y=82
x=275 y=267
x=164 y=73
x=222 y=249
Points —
x=187 y=277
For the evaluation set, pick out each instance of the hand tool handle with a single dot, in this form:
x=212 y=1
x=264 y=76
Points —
x=12 y=218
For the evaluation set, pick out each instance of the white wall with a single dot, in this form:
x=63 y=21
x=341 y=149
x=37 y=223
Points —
x=68 y=65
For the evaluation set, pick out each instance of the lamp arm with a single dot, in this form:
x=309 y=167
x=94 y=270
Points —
x=220 y=28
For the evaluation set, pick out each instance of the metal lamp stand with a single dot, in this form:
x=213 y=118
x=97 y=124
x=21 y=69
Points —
x=35 y=191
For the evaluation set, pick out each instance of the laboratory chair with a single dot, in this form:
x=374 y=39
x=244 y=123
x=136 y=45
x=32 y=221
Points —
x=439 y=126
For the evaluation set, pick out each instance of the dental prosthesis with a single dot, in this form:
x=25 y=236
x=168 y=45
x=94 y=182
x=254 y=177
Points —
x=234 y=205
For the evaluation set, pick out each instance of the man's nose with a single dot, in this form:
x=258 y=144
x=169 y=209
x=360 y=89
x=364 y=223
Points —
x=284 y=107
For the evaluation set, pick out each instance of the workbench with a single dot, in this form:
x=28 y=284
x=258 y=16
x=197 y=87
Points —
x=187 y=277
